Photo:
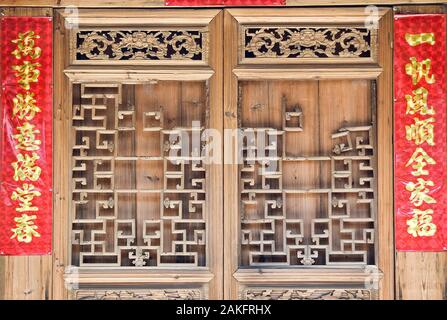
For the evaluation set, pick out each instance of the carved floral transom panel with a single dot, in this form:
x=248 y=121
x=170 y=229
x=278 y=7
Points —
x=142 y=294
x=307 y=191
x=308 y=42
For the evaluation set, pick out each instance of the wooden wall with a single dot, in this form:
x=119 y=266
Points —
x=418 y=275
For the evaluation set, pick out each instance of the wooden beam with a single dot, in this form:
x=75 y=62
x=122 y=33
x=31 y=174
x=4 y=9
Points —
x=412 y=9
x=161 y=3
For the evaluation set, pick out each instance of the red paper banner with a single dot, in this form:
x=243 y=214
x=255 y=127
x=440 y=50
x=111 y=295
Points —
x=26 y=144
x=192 y=3
x=420 y=132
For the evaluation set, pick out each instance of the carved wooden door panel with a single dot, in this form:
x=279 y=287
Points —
x=308 y=192
x=299 y=203
x=143 y=207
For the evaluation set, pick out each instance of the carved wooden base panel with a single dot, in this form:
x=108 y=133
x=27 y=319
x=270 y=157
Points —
x=307 y=294
x=307 y=196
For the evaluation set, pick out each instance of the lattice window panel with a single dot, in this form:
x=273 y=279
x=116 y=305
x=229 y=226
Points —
x=138 y=198
x=308 y=198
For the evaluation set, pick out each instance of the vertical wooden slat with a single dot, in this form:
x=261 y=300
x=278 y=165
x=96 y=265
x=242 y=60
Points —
x=17 y=276
x=26 y=277
x=40 y=280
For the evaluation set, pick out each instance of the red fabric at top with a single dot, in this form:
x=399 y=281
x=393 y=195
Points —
x=10 y=28
x=185 y=3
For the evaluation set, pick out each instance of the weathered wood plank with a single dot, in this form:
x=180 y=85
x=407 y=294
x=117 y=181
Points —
x=215 y=182
x=421 y=275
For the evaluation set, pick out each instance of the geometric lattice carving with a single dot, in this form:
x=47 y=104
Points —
x=308 y=42
x=147 y=294
x=307 y=294
x=139 y=45
x=130 y=209
x=343 y=230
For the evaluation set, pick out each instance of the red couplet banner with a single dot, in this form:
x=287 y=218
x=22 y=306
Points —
x=184 y=3
x=26 y=143
x=420 y=132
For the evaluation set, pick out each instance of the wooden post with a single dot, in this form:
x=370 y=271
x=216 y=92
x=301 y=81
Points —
x=421 y=275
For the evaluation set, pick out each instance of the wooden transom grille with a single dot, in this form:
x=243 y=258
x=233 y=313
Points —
x=138 y=200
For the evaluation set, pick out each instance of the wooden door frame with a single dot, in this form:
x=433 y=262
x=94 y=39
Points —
x=68 y=71
x=381 y=71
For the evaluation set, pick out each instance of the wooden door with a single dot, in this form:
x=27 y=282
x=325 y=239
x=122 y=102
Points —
x=299 y=203
x=138 y=210
x=308 y=194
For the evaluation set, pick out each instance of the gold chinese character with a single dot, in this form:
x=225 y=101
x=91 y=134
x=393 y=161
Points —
x=25 y=228
x=25 y=167
x=25 y=195
x=25 y=46
x=419 y=192
x=420 y=38
x=418 y=161
x=417 y=70
x=421 y=131
x=26 y=138
x=27 y=72
x=420 y=225
x=418 y=102
x=25 y=106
